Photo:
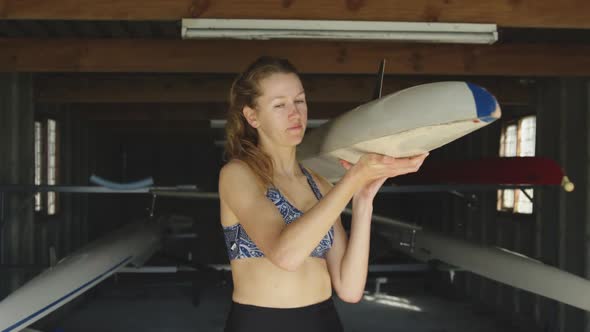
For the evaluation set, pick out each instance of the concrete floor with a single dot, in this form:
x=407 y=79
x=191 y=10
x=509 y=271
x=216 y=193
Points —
x=151 y=303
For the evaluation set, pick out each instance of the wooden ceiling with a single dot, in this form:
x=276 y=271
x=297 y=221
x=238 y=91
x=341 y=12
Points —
x=229 y=56
x=124 y=60
x=212 y=89
x=505 y=13
x=144 y=36
x=177 y=97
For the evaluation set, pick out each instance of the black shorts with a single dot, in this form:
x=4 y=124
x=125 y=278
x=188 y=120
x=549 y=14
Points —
x=319 y=317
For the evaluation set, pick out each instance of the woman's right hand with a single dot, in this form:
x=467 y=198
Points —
x=373 y=166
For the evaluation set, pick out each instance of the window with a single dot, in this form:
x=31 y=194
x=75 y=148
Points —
x=46 y=164
x=517 y=140
x=38 y=163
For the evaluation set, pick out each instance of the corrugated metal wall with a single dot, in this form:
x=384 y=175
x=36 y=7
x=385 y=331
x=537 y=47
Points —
x=17 y=243
x=26 y=236
x=67 y=230
x=562 y=218
x=557 y=232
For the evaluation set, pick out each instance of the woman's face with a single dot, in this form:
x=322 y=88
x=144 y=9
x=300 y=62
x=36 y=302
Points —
x=281 y=110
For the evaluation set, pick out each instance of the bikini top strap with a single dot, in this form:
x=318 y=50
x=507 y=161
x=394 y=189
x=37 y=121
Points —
x=311 y=182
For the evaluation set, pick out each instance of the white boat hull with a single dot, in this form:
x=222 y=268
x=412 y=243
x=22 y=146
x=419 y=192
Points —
x=77 y=273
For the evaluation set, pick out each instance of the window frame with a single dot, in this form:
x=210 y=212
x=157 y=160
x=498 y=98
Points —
x=500 y=208
x=43 y=213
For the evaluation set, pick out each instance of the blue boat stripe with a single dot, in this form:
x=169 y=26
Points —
x=485 y=103
x=24 y=320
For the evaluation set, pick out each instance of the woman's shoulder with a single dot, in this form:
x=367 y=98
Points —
x=234 y=165
x=236 y=172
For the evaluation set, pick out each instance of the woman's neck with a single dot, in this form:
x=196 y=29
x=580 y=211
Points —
x=284 y=161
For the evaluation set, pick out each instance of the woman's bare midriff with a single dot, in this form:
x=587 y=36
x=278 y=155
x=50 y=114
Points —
x=259 y=282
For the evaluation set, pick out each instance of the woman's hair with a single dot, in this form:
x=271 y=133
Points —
x=241 y=138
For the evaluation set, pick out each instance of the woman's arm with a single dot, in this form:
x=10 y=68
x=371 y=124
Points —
x=348 y=259
x=287 y=246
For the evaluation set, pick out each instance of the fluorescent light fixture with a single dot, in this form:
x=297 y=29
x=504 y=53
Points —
x=464 y=33
x=217 y=123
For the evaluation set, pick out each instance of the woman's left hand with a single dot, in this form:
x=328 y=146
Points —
x=367 y=193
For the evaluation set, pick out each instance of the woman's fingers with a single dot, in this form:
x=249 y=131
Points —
x=402 y=171
x=384 y=159
x=345 y=164
x=409 y=162
x=376 y=165
x=408 y=165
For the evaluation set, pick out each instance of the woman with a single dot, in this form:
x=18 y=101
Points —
x=288 y=250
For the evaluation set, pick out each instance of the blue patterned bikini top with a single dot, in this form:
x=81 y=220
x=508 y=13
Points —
x=239 y=245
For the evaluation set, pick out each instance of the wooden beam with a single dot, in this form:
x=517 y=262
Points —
x=198 y=129
x=130 y=88
x=215 y=56
x=151 y=111
x=195 y=125
x=207 y=88
x=188 y=112
x=512 y=13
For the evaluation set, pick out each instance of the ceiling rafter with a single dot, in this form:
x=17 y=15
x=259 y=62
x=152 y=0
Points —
x=222 y=56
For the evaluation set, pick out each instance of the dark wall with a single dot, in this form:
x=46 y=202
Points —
x=184 y=158
x=554 y=234
x=17 y=245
